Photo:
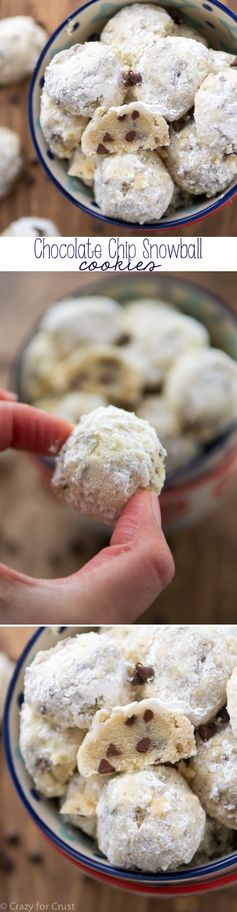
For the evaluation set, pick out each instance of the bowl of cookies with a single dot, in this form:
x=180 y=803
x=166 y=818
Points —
x=154 y=354
x=121 y=742
x=133 y=111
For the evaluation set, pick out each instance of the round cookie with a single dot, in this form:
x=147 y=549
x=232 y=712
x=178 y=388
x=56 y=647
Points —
x=49 y=754
x=74 y=321
x=72 y=406
x=184 y=30
x=181 y=450
x=79 y=803
x=62 y=130
x=110 y=372
x=133 y=186
x=191 y=669
x=132 y=640
x=219 y=60
x=37 y=366
x=129 y=127
x=31 y=227
x=196 y=168
x=215 y=776
x=83 y=167
x=217 y=842
x=11 y=161
x=6 y=672
x=232 y=701
x=149 y=820
x=138 y=316
x=68 y=683
x=21 y=41
x=201 y=388
x=215 y=111
x=135 y=737
x=173 y=333
x=171 y=71
x=109 y=456
x=84 y=77
x=134 y=27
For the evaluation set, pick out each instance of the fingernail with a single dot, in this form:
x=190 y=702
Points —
x=155 y=506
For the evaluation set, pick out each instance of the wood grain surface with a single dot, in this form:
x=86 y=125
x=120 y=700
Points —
x=45 y=539
x=35 y=194
x=51 y=881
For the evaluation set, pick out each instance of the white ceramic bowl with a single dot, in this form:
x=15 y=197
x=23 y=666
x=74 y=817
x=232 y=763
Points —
x=212 y=18
x=73 y=843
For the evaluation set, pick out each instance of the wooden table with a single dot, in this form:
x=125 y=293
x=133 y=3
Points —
x=45 y=539
x=35 y=194
x=53 y=879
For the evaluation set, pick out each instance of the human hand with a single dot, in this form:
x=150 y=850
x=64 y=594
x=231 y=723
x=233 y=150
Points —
x=120 y=582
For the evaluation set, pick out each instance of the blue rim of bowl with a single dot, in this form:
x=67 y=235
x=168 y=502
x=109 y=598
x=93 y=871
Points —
x=153 y=226
x=190 y=874
x=176 y=476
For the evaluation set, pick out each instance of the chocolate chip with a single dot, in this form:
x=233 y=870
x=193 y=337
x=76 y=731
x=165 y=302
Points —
x=142 y=673
x=132 y=79
x=148 y=715
x=113 y=751
x=101 y=150
x=143 y=746
x=135 y=115
x=234 y=64
x=207 y=731
x=130 y=136
x=140 y=814
x=223 y=716
x=122 y=116
x=105 y=767
x=108 y=138
x=130 y=720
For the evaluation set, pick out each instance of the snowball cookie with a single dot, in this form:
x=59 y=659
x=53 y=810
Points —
x=86 y=319
x=37 y=366
x=217 y=842
x=202 y=388
x=69 y=682
x=195 y=167
x=173 y=333
x=21 y=41
x=139 y=315
x=62 y=130
x=215 y=776
x=110 y=455
x=181 y=449
x=229 y=632
x=149 y=820
x=83 y=167
x=184 y=30
x=135 y=737
x=134 y=27
x=219 y=60
x=11 y=161
x=31 y=227
x=84 y=77
x=134 y=186
x=6 y=672
x=131 y=126
x=191 y=670
x=232 y=701
x=132 y=640
x=49 y=754
x=171 y=71
x=110 y=372
x=215 y=111
x=72 y=406
x=78 y=806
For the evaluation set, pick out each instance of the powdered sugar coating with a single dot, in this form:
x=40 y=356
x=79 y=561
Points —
x=6 y=672
x=195 y=167
x=109 y=456
x=83 y=167
x=184 y=30
x=21 y=41
x=72 y=406
x=202 y=388
x=192 y=668
x=172 y=334
x=172 y=70
x=218 y=841
x=232 y=701
x=10 y=160
x=130 y=126
x=38 y=363
x=134 y=27
x=132 y=640
x=74 y=321
x=80 y=801
x=49 y=754
x=134 y=186
x=219 y=60
x=215 y=776
x=102 y=369
x=181 y=449
x=149 y=820
x=62 y=130
x=215 y=111
x=84 y=77
x=68 y=683
x=31 y=227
